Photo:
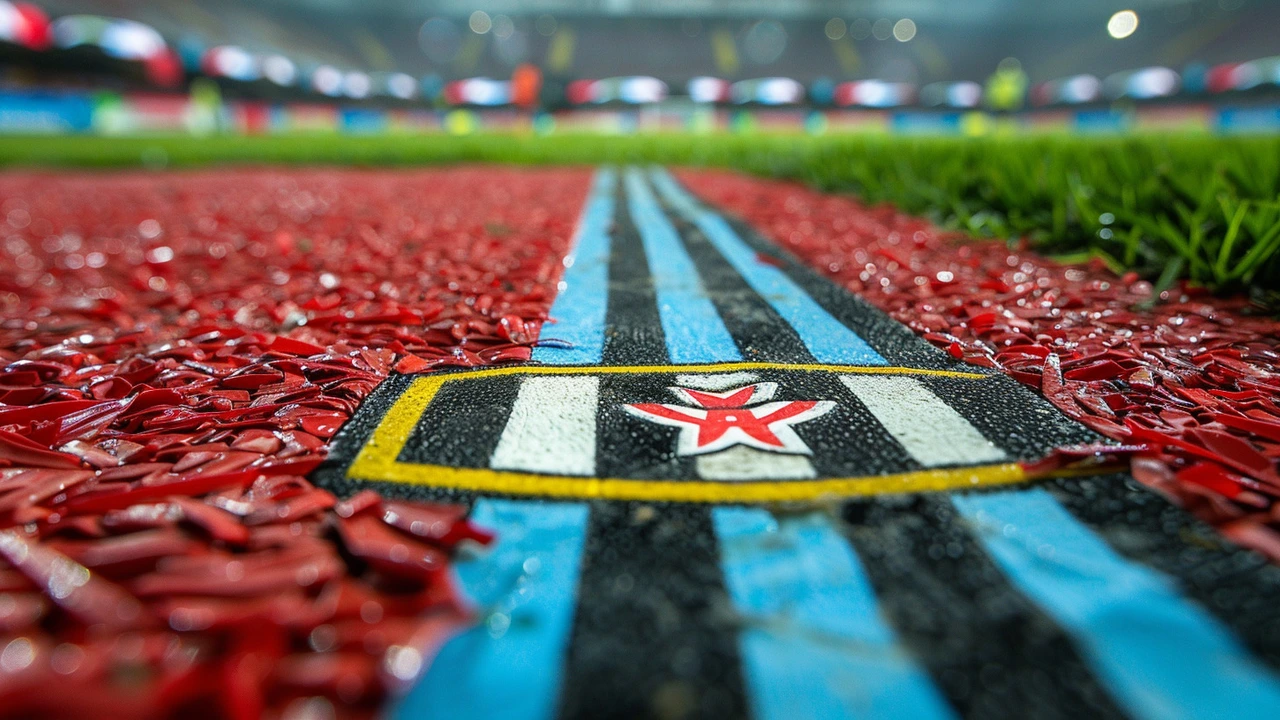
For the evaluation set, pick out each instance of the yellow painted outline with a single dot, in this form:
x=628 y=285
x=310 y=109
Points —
x=377 y=459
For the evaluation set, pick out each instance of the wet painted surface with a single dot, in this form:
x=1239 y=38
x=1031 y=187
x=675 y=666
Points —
x=712 y=377
x=1187 y=380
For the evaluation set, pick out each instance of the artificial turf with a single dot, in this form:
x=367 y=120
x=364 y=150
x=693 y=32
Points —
x=1170 y=206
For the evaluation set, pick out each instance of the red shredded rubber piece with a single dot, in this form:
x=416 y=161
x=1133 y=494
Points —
x=1189 y=383
x=176 y=352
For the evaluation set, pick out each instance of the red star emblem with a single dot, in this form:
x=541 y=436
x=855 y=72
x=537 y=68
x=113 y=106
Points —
x=723 y=419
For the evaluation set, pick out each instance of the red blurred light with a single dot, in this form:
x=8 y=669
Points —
x=1221 y=77
x=580 y=91
x=34 y=32
x=164 y=68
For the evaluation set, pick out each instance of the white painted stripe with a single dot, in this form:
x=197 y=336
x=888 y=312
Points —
x=929 y=429
x=746 y=463
x=552 y=428
x=717 y=381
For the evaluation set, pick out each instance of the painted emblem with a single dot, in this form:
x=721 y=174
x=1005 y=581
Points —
x=720 y=420
x=737 y=432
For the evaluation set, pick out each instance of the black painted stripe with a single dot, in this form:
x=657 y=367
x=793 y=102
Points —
x=1238 y=586
x=991 y=652
x=448 y=435
x=633 y=329
x=654 y=635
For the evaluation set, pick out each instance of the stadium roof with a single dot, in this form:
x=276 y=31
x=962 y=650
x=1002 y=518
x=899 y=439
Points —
x=934 y=11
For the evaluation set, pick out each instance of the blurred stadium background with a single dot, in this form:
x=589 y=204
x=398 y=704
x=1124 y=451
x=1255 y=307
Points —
x=128 y=67
x=1126 y=151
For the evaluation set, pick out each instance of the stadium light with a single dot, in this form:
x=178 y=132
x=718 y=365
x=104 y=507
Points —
x=279 y=70
x=123 y=40
x=1143 y=84
x=131 y=40
x=478 y=91
x=708 y=89
x=24 y=24
x=1122 y=24
x=952 y=94
x=1073 y=89
x=1243 y=76
x=1081 y=88
x=327 y=80
x=231 y=61
x=767 y=91
x=356 y=84
x=402 y=85
x=636 y=90
x=904 y=30
x=874 y=93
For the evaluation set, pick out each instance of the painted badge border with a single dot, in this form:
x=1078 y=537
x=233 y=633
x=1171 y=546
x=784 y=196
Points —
x=377 y=459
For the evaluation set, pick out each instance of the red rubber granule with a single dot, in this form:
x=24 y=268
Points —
x=1189 y=383
x=176 y=351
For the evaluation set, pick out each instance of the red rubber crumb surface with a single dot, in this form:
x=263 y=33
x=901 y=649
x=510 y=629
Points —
x=1188 y=382
x=176 y=351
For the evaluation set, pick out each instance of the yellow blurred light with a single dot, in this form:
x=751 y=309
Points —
x=975 y=124
x=461 y=122
x=904 y=30
x=1122 y=24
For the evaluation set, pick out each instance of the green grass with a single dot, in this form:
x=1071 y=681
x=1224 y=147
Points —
x=1169 y=206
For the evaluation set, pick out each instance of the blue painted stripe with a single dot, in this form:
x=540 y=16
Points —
x=509 y=666
x=580 y=307
x=828 y=339
x=1160 y=654
x=693 y=329
x=814 y=643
